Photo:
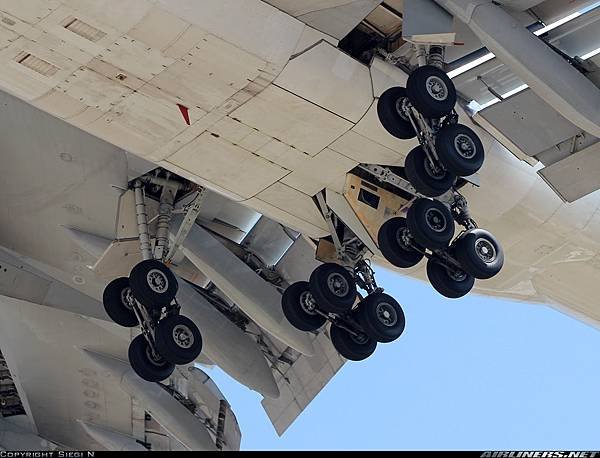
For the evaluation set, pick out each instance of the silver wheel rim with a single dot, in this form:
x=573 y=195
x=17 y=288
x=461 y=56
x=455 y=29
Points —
x=403 y=238
x=183 y=336
x=360 y=339
x=127 y=298
x=157 y=281
x=337 y=284
x=465 y=146
x=386 y=314
x=435 y=220
x=457 y=275
x=307 y=303
x=399 y=110
x=154 y=359
x=436 y=88
x=486 y=251
x=437 y=174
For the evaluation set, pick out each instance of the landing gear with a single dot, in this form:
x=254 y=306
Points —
x=354 y=347
x=449 y=281
x=118 y=303
x=381 y=317
x=333 y=287
x=300 y=307
x=479 y=253
x=153 y=283
x=397 y=244
x=431 y=224
x=147 y=363
x=148 y=297
x=357 y=325
x=447 y=152
x=178 y=339
x=431 y=92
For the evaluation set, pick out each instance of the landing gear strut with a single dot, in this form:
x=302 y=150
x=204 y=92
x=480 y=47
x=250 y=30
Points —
x=148 y=297
x=447 y=151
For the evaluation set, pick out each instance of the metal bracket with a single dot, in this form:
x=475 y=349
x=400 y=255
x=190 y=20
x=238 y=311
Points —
x=191 y=214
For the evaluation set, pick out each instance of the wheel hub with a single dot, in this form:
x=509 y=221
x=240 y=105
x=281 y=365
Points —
x=154 y=358
x=307 y=303
x=457 y=275
x=435 y=220
x=386 y=314
x=360 y=338
x=437 y=173
x=464 y=146
x=183 y=336
x=127 y=298
x=485 y=250
x=157 y=281
x=403 y=239
x=436 y=88
x=400 y=108
x=337 y=284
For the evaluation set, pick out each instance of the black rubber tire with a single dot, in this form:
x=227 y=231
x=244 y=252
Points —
x=144 y=366
x=168 y=347
x=389 y=116
x=326 y=299
x=383 y=329
x=422 y=100
x=451 y=156
x=142 y=290
x=392 y=247
x=431 y=224
x=444 y=284
x=115 y=303
x=474 y=241
x=416 y=167
x=348 y=347
x=296 y=314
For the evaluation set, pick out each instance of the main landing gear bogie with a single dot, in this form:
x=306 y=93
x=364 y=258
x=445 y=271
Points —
x=357 y=325
x=425 y=109
x=447 y=151
x=427 y=231
x=167 y=338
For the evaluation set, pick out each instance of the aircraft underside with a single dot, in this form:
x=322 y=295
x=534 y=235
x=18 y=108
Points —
x=189 y=193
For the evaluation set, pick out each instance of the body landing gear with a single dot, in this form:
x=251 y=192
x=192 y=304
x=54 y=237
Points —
x=147 y=298
x=447 y=151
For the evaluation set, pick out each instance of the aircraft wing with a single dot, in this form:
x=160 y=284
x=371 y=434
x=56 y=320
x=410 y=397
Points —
x=300 y=382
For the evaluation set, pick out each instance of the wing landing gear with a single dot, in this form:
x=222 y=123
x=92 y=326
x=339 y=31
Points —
x=148 y=296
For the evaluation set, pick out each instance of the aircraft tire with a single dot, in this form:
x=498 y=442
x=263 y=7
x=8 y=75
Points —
x=393 y=247
x=431 y=92
x=116 y=299
x=391 y=116
x=333 y=287
x=153 y=284
x=422 y=178
x=178 y=339
x=381 y=317
x=445 y=283
x=460 y=149
x=479 y=253
x=298 y=310
x=431 y=224
x=145 y=365
x=351 y=347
